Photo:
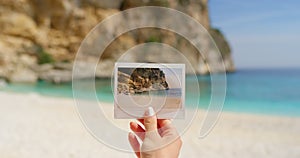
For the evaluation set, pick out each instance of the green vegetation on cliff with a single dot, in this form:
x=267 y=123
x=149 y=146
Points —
x=43 y=56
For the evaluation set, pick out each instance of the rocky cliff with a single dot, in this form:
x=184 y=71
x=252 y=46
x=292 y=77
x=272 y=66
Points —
x=141 y=80
x=39 y=39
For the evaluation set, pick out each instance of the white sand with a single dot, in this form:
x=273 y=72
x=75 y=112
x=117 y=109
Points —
x=35 y=126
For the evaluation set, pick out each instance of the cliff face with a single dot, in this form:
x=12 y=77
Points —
x=39 y=39
x=142 y=80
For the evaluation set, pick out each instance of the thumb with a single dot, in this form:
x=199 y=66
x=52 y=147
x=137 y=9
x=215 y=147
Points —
x=152 y=137
x=150 y=120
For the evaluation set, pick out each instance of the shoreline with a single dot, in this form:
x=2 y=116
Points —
x=187 y=107
x=40 y=126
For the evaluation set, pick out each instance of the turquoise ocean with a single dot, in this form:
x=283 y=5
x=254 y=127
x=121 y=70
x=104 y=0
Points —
x=269 y=92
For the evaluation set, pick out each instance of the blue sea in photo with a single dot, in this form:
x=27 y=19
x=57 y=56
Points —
x=270 y=91
x=171 y=92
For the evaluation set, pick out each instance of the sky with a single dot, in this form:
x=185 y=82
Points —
x=173 y=77
x=261 y=33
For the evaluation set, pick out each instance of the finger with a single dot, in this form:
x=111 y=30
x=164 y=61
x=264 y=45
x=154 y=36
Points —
x=150 y=120
x=143 y=126
x=162 y=125
x=141 y=121
x=138 y=130
x=168 y=131
x=160 y=122
x=163 y=122
x=134 y=144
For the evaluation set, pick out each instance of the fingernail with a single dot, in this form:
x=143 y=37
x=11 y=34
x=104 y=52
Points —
x=150 y=112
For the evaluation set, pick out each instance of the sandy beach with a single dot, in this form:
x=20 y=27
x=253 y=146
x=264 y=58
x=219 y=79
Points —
x=34 y=126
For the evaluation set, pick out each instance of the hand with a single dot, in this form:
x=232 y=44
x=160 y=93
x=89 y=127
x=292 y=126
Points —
x=159 y=138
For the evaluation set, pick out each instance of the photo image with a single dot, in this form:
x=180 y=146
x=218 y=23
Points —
x=140 y=85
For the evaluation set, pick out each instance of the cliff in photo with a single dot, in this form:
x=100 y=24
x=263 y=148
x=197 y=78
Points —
x=142 y=80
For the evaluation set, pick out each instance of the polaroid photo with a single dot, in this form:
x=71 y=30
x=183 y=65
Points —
x=138 y=86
